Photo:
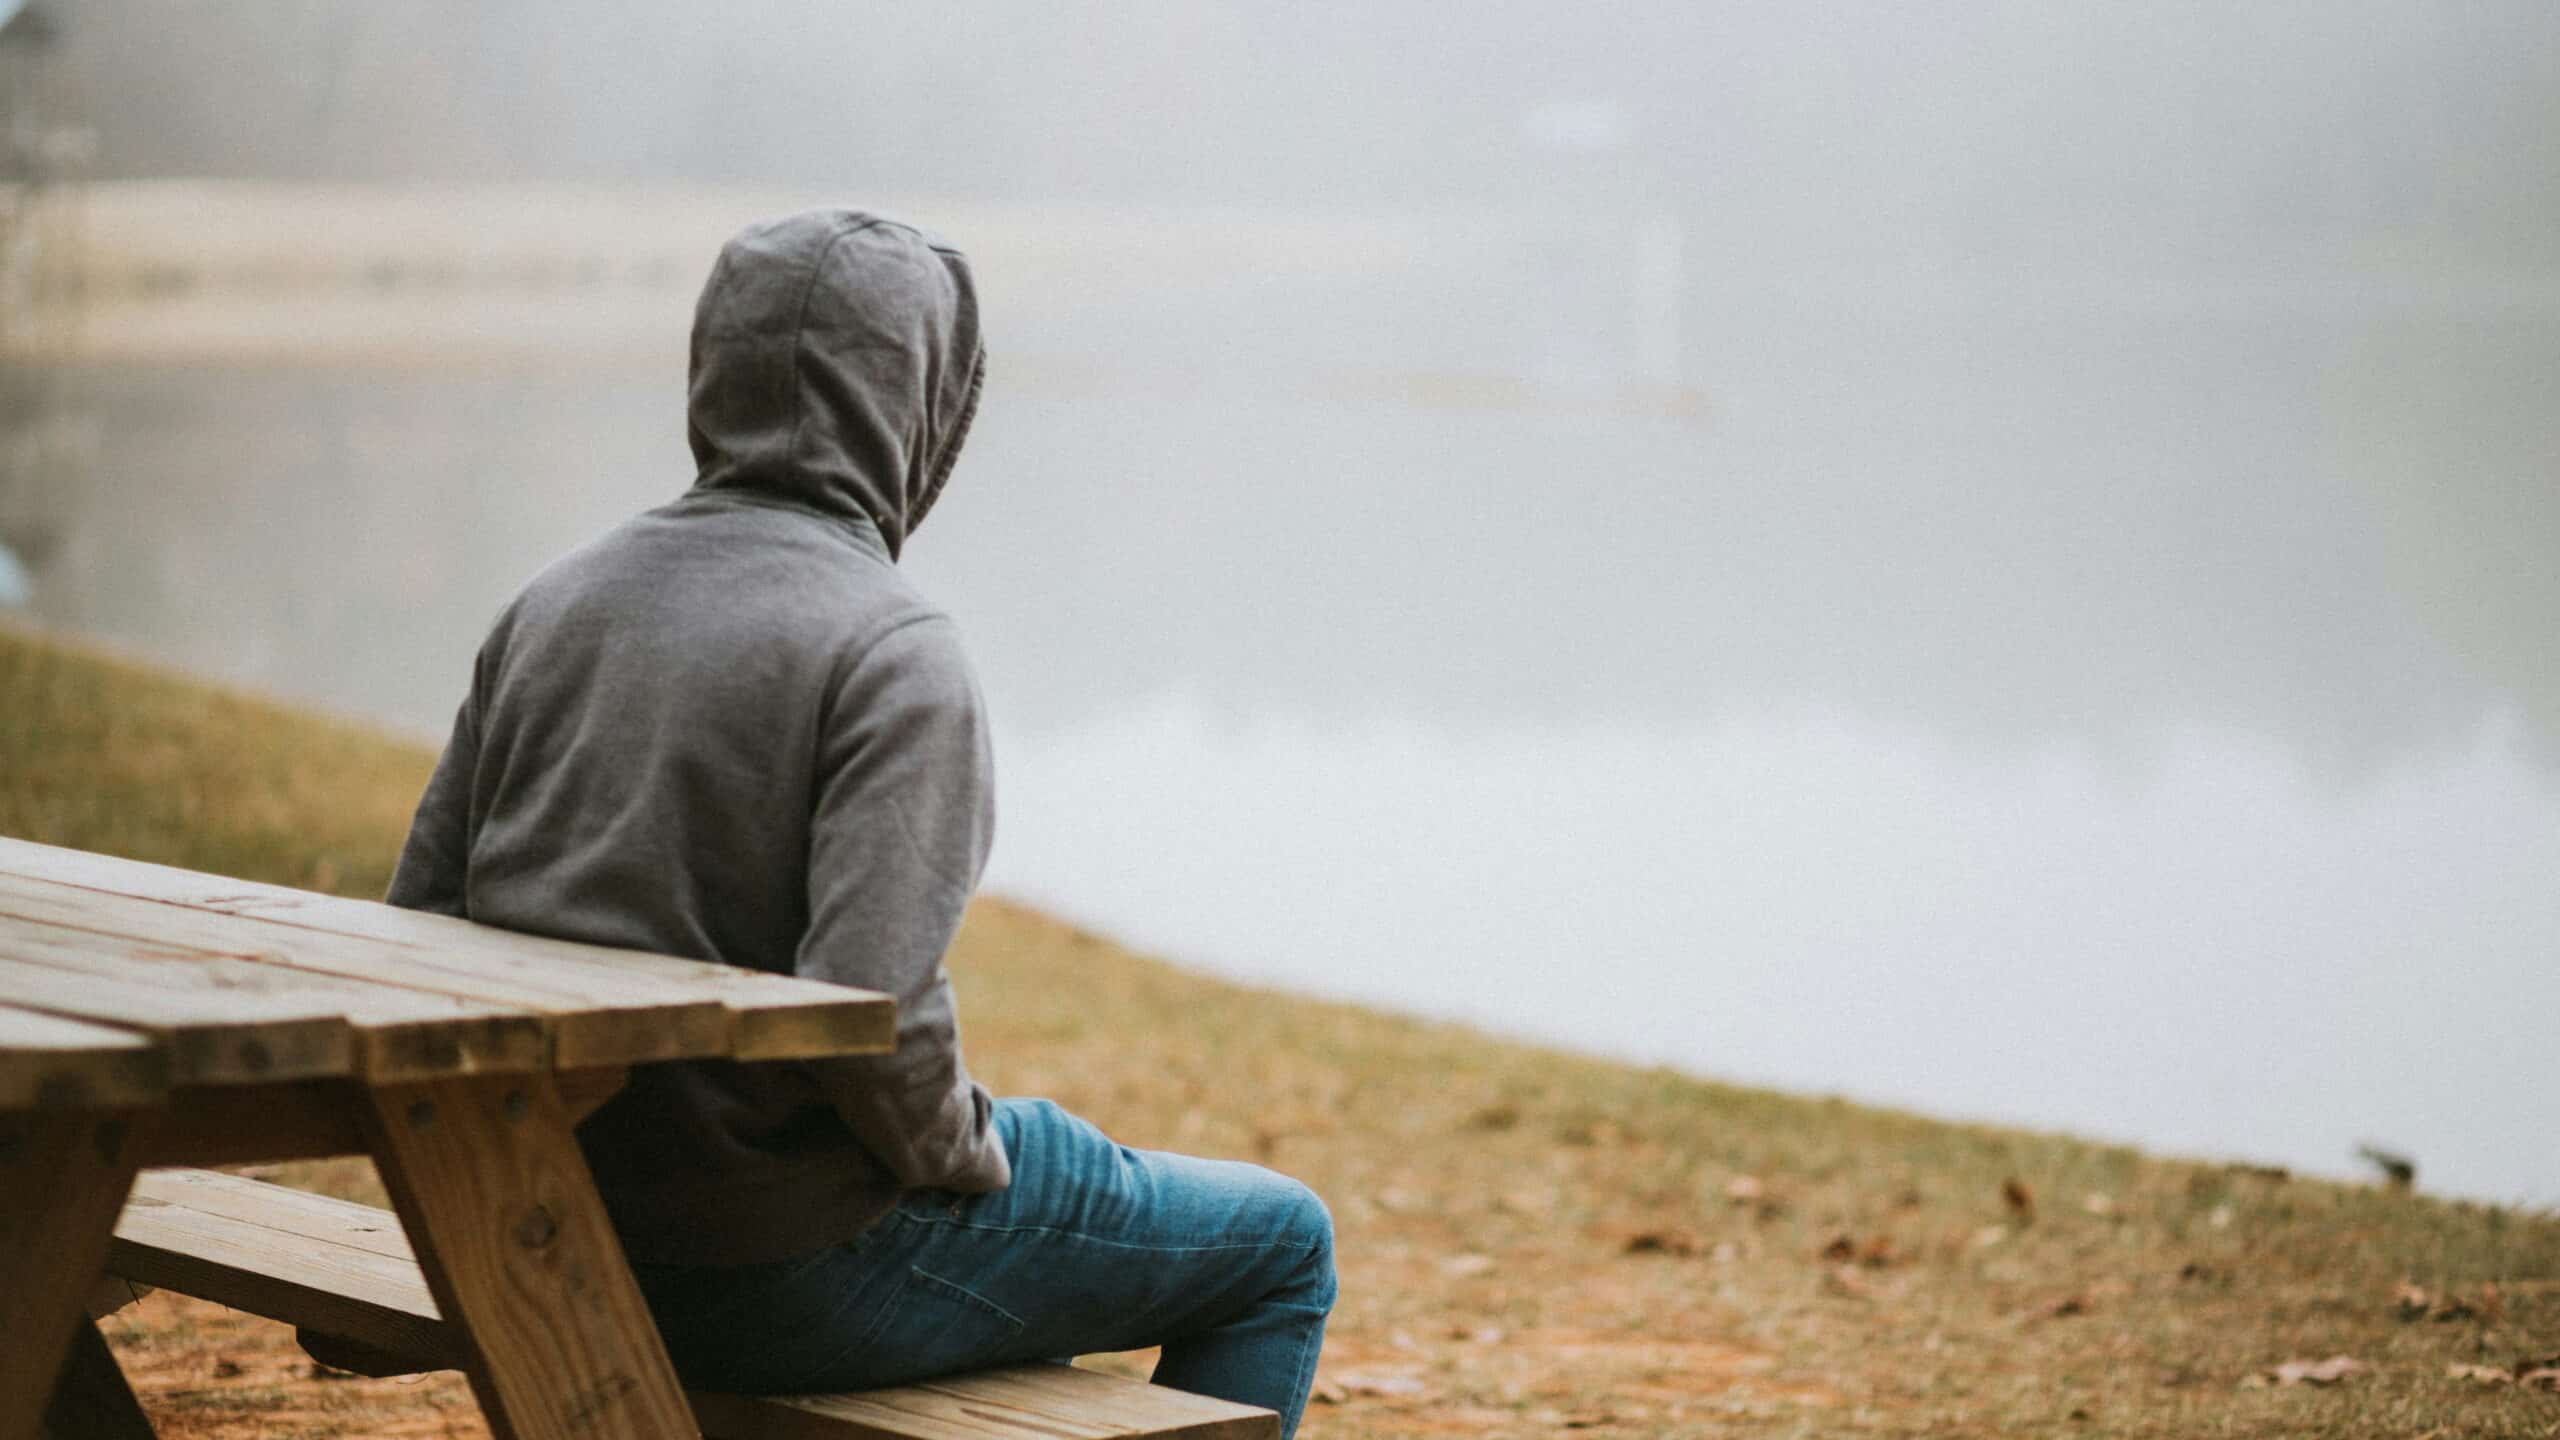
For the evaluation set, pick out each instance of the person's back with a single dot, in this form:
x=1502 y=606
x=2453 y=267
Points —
x=679 y=739
x=729 y=729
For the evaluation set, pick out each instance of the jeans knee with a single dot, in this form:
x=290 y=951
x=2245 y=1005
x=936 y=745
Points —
x=1310 y=1218
x=1307 y=1226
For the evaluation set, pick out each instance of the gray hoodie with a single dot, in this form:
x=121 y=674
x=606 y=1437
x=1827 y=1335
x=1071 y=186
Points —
x=729 y=729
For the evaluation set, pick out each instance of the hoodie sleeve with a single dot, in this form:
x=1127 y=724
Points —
x=436 y=859
x=904 y=816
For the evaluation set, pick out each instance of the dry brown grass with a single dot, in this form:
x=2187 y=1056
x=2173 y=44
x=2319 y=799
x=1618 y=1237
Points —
x=1530 y=1241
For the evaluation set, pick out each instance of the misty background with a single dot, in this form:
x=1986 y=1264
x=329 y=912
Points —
x=1991 y=558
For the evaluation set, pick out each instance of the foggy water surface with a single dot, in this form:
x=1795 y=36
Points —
x=2106 y=709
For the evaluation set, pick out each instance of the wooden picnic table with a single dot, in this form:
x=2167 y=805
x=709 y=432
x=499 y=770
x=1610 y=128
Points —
x=151 y=1016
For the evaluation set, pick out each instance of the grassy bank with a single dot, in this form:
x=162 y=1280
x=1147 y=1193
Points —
x=1530 y=1241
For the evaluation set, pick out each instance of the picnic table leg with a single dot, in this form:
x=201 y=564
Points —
x=63 y=1178
x=505 y=1219
x=92 y=1400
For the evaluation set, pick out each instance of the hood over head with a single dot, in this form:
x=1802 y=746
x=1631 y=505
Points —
x=836 y=365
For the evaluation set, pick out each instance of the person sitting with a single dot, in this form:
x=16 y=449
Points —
x=730 y=729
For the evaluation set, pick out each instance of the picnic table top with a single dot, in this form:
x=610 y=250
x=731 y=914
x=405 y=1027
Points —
x=121 y=980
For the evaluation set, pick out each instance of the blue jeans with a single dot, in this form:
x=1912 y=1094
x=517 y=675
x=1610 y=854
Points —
x=1094 y=1247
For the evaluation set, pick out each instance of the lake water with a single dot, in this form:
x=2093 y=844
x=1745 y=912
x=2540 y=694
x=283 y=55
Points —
x=2100 y=704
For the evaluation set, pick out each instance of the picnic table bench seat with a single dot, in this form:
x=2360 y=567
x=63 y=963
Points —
x=344 y=1273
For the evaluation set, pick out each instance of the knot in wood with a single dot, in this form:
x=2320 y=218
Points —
x=536 y=1229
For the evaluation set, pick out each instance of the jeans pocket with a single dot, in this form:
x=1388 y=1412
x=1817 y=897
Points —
x=935 y=1327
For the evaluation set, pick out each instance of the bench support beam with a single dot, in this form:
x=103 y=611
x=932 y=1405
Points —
x=521 y=1259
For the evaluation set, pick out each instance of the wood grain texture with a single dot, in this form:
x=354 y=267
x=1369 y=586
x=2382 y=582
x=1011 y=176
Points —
x=63 y=1177
x=211 y=1036
x=50 y=1063
x=517 y=1251
x=1063 y=1391
x=400 y=1033
x=91 y=1400
x=1022 y=1402
x=327 y=1265
x=590 y=1023
x=768 y=1017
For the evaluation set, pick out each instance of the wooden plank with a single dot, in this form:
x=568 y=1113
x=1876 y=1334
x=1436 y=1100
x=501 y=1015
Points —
x=284 y=1211
x=242 y=1124
x=91 y=1400
x=865 y=1415
x=50 y=1063
x=1026 y=1402
x=589 y=1024
x=772 y=1017
x=520 y=1257
x=397 y=1033
x=63 y=1176
x=1063 y=1391
x=211 y=1037
x=302 y=1259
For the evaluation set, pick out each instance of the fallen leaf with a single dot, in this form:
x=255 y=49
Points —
x=1327 y=1392
x=2020 y=1200
x=1553 y=1419
x=1875 y=1253
x=1387 y=1384
x=2331 y=1371
x=2066 y=1306
x=2416 y=1302
x=1845 y=1280
x=1662 y=1242
x=2479 y=1374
